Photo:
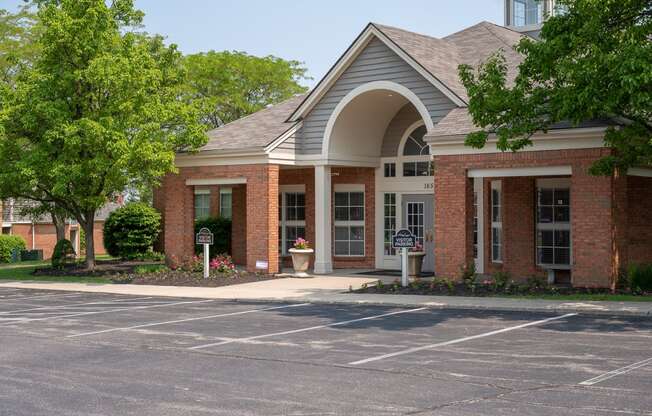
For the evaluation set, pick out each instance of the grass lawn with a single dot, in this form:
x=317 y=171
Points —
x=23 y=272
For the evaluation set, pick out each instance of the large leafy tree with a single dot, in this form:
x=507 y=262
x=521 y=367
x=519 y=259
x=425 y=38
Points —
x=592 y=62
x=17 y=46
x=99 y=109
x=231 y=85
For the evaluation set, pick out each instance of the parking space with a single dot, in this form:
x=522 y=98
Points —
x=442 y=361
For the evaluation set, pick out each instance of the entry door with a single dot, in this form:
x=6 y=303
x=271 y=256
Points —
x=418 y=217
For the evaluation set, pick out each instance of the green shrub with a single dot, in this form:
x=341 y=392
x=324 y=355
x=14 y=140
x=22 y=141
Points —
x=639 y=277
x=149 y=255
x=9 y=243
x=131 y=230
x=501 y=279
x=63 y=254
x=221 y=229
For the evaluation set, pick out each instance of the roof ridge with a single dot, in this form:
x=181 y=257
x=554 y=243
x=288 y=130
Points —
x=380 y=26
x=262 y=110
x=503 y=41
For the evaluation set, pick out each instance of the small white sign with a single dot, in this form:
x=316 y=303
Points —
x=262 y=264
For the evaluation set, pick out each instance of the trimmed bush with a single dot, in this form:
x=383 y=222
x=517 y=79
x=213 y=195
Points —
x=63 y=254
x=221 y=229
x=639 y=277
x=9 y=243
x=130 y=231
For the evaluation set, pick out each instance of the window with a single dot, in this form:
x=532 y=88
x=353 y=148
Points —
x=553 y=223
x=390 y=170
x=6 y=230
x=292 y=219
x=202 y=203
x=390 y=223
x=226 y=202
x=349 y=223
x=414 y=147
x=496 y=222
x=527 y=12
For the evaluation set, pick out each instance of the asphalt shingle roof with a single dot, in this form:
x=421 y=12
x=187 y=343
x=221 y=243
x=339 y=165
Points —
x=440 y=57
x=256 y=130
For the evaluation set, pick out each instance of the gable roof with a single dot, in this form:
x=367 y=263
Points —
x=256 y=130
x=436 y=59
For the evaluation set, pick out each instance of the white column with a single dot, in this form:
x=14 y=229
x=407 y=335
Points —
x=479 y=190
x=323 y=257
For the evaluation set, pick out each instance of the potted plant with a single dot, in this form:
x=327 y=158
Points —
x=301 y=257
x=415 y=260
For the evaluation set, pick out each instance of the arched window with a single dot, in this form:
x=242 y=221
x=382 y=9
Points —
x=414 y=145
x=415 y=154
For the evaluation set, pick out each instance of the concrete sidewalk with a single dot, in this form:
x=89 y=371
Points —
x=335 y=290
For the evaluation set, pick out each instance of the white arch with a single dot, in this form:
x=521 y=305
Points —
x=406 y=134
x=371 y=86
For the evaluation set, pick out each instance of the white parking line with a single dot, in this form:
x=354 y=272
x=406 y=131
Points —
x=459 y=340
x=618 y=372
x=186 y=320
x=71 y=305
x=115 y=310
x=61 y=295
x=312 y=328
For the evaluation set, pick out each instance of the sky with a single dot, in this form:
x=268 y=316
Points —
x=313 y=32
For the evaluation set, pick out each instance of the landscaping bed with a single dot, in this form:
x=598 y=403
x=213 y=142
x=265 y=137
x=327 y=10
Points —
x=102 y=268
x=532 y=288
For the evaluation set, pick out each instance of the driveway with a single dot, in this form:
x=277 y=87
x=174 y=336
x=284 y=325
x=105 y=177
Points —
x=76 y=353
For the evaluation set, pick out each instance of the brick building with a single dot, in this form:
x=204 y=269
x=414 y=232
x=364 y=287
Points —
x=378 y=145
x=40 y=233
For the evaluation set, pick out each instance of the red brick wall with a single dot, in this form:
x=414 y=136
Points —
x=364 y=176
x=46 y=238
x=639 y=219
x=239 y=224
x=453 y=214
x=591 y=219
x=176 y=202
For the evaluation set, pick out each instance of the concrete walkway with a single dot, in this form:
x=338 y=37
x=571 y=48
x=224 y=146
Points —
x=335 y=290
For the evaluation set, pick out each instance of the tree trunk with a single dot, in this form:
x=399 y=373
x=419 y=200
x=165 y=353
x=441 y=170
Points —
x=59 y=226
x=88 y=225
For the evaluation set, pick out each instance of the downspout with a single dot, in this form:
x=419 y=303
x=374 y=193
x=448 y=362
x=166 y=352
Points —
x=33 y=235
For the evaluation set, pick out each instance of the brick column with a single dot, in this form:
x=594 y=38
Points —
x=519 y=226
x=453 y=219
x=176 y=203
x=239 y=225
x=592 y=228
x=262 y=217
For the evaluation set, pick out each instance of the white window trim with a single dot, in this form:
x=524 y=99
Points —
x=202 y=192
x=554 y=183
x=401 y=159
x=226 y=191
x=497 y=185
x=351 y=188
x=283 y=222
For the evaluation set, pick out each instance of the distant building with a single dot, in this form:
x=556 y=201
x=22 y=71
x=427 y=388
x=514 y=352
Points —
x=527 y=16
x=40 y=233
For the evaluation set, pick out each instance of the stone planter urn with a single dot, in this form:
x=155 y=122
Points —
x=301 y=254
x=415 y=263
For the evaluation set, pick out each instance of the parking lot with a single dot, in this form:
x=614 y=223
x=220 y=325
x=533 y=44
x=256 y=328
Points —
x=67 y=353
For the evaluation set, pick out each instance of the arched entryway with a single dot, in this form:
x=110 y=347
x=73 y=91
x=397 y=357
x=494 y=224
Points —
x=380 y=126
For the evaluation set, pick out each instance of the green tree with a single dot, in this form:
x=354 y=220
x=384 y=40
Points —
x=592 y=62
x=231 y=85
x=17 y=46
x=99 y=109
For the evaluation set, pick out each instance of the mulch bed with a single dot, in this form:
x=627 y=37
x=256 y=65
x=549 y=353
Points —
x=438 y=288
x=184 y=278
x=103 y=268
x=119 y=271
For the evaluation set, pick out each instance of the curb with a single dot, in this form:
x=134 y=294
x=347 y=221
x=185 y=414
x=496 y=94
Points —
x=431 y=305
